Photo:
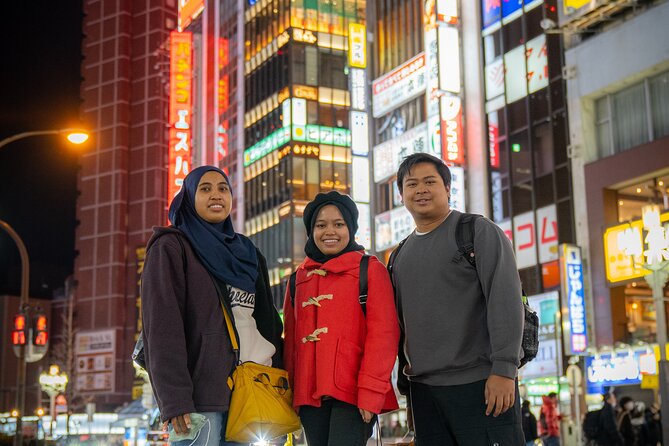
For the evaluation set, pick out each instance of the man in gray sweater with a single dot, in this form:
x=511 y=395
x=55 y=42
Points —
x=462 y=325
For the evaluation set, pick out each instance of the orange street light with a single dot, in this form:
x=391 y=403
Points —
x=75 y=136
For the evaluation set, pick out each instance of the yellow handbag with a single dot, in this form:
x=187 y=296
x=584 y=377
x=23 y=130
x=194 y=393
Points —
x=261 y=405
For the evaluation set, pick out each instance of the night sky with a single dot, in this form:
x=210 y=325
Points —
x=40 y=79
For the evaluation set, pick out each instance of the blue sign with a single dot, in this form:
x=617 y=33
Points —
x=572 y=288
x=511 y=9
x=618 y=369
x=490 y=10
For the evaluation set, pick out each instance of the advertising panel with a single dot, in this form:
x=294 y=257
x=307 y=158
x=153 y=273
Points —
x=358 y=89
x=537 y=64
x=189 y=10
x=359 y=133
x=447 y=11
x=493 y=139
x=360 y=181
x=494 y=79
x=364 y=234
x=449 y=59
x=451 y=129
x=516 y=75
x=180 y=111
x=392 y=227
x=569 y=10
x=620 y=368
x=401 y=85
x=546 y=363
x=525 y=240
x=491 y=12
x=573 y=300
x=458 y=188
x=95 y=353
x=389 y=155
x=357 y=44
x=547 y=233
x=511 y=9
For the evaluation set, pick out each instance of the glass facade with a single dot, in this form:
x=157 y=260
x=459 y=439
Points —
x=297 y=131
x=529 y=169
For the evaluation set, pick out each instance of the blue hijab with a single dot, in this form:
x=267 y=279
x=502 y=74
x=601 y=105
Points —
x=229 y=256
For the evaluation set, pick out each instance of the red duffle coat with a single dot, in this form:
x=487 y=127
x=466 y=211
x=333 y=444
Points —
x=331 y=348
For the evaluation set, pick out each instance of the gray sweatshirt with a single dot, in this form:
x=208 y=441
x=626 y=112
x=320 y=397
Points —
x=459 y=328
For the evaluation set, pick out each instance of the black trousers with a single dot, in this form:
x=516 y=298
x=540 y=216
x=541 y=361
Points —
x=455 y=416
x=335 y=423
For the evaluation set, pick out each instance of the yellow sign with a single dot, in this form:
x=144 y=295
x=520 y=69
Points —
x=357 y=45
x=302 y=35
x=571 y=5
x=650 y=382
x=302 y=91
x=623 y=250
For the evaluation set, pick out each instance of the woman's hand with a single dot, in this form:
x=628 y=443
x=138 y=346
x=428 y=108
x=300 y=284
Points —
x=180 y=424
x=366 y=415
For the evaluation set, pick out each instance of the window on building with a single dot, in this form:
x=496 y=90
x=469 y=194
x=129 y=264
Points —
x=631 y=120
x=332 y=70
x=542 y=145
x=659 y=98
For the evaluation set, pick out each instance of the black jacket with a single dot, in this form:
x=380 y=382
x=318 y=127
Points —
x=529 y=422
x=186 y=342
x=608 y=427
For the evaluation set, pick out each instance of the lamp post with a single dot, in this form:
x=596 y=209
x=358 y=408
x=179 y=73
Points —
x=75 y=136
x=657 y=262
x=53 y=383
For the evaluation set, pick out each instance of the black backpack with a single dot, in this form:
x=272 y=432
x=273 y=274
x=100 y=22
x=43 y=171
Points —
x=362 y=293
x=464 y=237
x=591 y=424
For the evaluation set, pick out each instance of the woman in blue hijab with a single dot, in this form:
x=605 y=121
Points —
x=191 y=269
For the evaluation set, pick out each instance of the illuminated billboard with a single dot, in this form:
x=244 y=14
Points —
x=189 y=10
x=180 y=111
x=398 y=87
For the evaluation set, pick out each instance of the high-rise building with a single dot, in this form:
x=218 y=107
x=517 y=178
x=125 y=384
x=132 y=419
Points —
x=619 y=121
x=123 y=184
x=299 y=67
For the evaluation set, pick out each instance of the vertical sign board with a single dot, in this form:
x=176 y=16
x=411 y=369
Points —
x=547 y=362
x=180 y=134
x=573 y=300
x=95 y=353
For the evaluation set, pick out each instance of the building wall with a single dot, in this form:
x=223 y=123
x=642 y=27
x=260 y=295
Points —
x=641 y=48
x=123 y=177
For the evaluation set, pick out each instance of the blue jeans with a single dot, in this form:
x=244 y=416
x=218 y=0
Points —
x=211 y=434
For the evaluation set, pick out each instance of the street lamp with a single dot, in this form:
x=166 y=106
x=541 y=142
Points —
x=53 y=383
x=657 y=262
x=74 y=135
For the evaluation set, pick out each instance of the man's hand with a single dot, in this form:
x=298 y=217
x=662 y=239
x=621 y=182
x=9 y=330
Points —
x=499 y=394
x=366 y=415
x=180 y=424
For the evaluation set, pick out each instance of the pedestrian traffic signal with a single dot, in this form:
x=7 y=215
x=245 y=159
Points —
x=20 y=331
x=40 y=335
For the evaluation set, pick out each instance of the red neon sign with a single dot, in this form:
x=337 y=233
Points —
x=451 y=130
x=180 y=135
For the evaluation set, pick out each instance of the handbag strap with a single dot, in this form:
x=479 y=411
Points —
x=229 y=323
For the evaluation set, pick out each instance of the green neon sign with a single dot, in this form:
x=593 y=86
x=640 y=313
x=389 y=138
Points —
x=315 y=134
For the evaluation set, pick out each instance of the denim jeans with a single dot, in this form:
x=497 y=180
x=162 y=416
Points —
x=212 y=432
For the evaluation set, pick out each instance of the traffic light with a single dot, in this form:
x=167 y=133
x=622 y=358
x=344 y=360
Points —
x=20 y=331
x=40 y=335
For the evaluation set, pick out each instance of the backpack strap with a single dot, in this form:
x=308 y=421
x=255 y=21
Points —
x=362 y=287
x=393 y=257
x=464 y=237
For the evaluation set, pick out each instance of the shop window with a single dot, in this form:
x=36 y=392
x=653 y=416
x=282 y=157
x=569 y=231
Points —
x=560 y=138
x=327 y=177
x=544 y=190
x=512 y=33
x=517 y=114
x=542 y=145
x=521 y=198
x=533 y=23
x=562 y=182
x=521 y=158
x=565 y=222
x=340 y=175
x=659 y=94
x=631 y=120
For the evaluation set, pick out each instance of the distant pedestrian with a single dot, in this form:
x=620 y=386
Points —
x=549 y=420
x=608 y=434
x=654 y=425
x=625 y=421
x=529 y=423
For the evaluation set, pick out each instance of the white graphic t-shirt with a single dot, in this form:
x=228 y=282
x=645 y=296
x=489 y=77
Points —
x=252 y=345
